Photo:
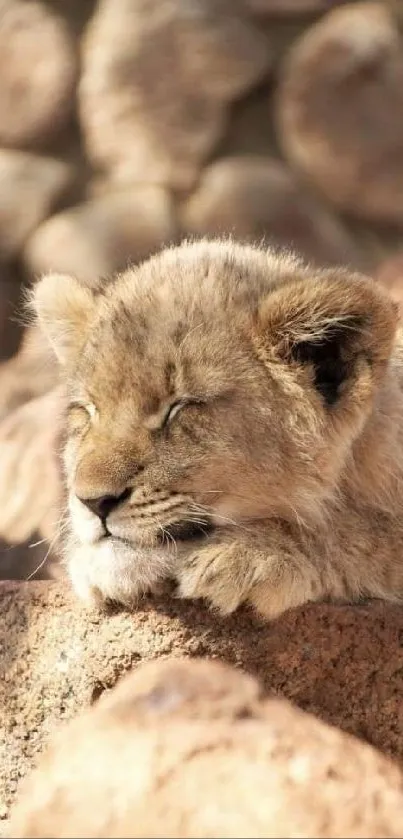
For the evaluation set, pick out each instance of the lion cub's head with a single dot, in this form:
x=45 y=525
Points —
x=213 y=385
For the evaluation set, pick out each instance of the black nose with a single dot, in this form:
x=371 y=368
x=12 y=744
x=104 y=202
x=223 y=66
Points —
x=104 y=505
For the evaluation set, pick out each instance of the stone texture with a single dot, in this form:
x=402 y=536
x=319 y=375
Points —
x=390 y=273
x=38 y=69
x=256 y=198
x=185 y=748
x=339 y=103
x=31 y=372
x=31 y=186
x=344 y=664
x=157 y=78
x=103 y=235
x=30 y=483
x=286 y=8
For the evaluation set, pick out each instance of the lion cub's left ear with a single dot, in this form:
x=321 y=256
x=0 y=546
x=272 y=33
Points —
x=342 y=325
x=64 y=308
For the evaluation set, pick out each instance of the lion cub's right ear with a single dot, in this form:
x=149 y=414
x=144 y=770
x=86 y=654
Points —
x=64 y=308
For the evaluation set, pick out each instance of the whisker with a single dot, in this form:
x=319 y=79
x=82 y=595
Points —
x=61 y=527
x=210 y=512
x=168 y=536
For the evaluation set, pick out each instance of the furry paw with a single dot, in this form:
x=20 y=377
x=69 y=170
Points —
x=221 y=574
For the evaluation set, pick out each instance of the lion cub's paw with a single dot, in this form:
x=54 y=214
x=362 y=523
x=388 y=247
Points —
x=218 y=574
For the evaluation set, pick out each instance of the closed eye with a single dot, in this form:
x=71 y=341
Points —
x=177 y=406
x=88 y=407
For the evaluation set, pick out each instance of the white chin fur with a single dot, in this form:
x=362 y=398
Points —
x=113 y=570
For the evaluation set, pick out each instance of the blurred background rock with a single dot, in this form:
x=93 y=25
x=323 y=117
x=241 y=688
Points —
x=126 y=125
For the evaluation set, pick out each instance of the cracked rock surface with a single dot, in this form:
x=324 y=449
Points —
x=342 y=663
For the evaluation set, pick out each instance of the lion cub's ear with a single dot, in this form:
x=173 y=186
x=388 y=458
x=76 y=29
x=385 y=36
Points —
x=342 y=325
x=64 y=308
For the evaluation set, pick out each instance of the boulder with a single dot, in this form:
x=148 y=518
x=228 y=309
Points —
x=338 y=110
x=38 y=69
x=103 y=235
x=257 y=198
x=341 y=663
x=187 y=748
x=158 y=76
x=31 y=187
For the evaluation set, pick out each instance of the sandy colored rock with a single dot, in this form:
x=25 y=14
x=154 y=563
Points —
x=342 y=663
x=255 y=198
x=101 y=236
x=286 y=8
x=157 y=78
x=185 y=748
x=37 y=73
x=390 y=273
x=30 y=483
x=30 y=407
x=31 y=372
x=29 y=560
x=339 y=102
x=30 y=188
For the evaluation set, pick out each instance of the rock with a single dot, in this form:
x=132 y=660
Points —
x=157 y=79
x=256 y=198
x=30 y=476
x=29 y=560
x=102 y=236
x=342 y=663
x=390 y=273
x=30 y=188
x=185 y=748
x=338 y=110
x=37 y=75
x=286 y=8
x=31 y=486
x=31 y=372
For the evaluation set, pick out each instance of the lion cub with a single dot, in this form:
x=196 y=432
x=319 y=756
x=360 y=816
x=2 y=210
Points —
x=234 y=423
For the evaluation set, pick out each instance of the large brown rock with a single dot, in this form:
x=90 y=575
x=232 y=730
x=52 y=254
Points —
x=255 y=199
x=101 y=236
x=344 y=664
x=286 y=8
x=339 y=108
x=30 y=480
x=31 y=186
x=31 y=372
x=157 y=78
x=390 y=273
x=185 y=748
x=38 y=69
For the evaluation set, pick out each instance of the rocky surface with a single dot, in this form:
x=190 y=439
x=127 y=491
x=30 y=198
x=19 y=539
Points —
x=157 y=79
x=390 y=273
x=30 y=484
x=342 y=663
x=187 y=748
x=338 y=111
x=284 y=8
x=31 y=187
x=257 y=198
x=103 y=235
x=121 y=118
x=38 y=68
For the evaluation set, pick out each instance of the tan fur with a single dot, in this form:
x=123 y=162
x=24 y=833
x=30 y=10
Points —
x=288 y=441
